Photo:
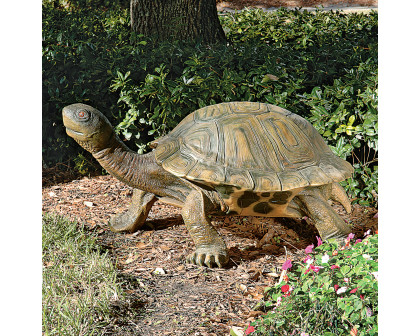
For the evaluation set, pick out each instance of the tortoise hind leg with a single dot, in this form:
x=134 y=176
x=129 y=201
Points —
x=210 y=248
x=135 y=216
x=339 y=195
x=327 y=221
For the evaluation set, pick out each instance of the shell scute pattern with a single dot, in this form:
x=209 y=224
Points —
x=248 y=108
x=251 y=146
x=211 y=112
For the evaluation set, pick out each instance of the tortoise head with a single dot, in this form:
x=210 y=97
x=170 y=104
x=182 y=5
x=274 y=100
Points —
x=89 y=127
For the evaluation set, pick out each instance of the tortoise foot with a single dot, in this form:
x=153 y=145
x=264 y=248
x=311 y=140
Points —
x=209 y=256
x=135 y=216
x=121 y=222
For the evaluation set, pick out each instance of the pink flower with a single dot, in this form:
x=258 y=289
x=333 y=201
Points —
x=346 y=280
x=334 y=267
x=287 y=265
x=313 y=268
x=319 y=241
x=350 y=236
x=278 y=301
x=336 y=287
x=354 y=290
x=357 y=241
x=309 y=248
x=249 y=330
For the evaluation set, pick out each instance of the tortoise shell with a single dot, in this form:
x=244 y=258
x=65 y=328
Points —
x=250 y=146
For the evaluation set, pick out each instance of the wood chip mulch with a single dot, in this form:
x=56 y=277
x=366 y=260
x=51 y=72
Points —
x=182 y=299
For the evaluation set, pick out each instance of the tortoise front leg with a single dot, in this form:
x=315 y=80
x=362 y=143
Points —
x=210 y=248
x=135 y=216
x=327 y=221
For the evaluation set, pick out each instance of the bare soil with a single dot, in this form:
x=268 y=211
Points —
x=184 y=299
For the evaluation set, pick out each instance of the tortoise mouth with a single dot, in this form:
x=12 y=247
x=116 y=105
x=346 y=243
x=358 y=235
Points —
x=76 y=134
x=71 y=131
x=79 y=135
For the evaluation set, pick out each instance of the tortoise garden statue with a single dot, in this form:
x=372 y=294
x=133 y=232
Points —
x=239 y=158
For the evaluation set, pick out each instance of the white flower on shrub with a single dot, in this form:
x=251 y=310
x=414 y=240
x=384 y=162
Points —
x=325 y=258
x=367 y=256
x=308 y=261
x=342 y=290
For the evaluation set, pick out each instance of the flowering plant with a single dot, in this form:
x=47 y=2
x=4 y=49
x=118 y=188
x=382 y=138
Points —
x=333 y=291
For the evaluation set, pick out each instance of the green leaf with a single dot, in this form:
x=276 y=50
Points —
x=345 y=269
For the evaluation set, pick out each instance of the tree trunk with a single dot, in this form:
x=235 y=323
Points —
x=185 y=20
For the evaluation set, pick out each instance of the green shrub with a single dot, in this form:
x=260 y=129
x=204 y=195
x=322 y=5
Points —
x=319 y=45
x=80 y=49
x=87 y=3
x=297 y=60
x=330 y=293
x=278 y=72
x=157 y=103
x=346 y=114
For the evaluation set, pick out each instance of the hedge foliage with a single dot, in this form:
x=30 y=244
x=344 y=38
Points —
x=321 y=65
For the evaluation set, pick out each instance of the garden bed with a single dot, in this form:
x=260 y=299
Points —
x=184 y=299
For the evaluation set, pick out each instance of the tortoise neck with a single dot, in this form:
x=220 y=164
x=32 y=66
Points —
x=121 y=162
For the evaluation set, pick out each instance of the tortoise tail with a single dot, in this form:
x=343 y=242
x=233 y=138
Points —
x=338 y=194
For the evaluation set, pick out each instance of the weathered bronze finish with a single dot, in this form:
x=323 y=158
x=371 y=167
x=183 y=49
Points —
x=240 y=158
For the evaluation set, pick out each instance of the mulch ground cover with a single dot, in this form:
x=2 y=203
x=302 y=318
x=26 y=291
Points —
x=178 y=298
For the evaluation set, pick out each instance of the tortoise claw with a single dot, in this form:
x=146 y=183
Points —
x=208 y=257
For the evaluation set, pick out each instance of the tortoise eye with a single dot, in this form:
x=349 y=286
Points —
x=84 y=115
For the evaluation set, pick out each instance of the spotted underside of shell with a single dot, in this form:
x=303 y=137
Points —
x=249 y=203
x=250 y=146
